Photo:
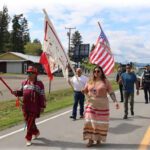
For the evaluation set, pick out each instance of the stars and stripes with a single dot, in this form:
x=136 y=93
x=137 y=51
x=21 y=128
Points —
x=101 y=55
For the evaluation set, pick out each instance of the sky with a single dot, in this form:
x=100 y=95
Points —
x=126 y=23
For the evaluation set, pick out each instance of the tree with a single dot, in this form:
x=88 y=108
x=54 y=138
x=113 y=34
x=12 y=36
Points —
x=34 y=48
x=92 y=48
x=76 y=39
x=4 y=34
x=25 y=31
x=20 y=33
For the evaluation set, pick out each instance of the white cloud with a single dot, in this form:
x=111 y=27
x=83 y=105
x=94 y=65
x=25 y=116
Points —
x=125 y=22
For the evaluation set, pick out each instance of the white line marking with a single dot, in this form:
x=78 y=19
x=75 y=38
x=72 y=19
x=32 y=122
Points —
x=56 y=116
x=19 y=130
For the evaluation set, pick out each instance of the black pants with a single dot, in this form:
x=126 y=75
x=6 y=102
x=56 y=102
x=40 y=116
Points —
x=78 y=98
x=121 y=91
x=146 y=92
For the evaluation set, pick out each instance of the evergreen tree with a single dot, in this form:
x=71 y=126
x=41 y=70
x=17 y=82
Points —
x=76 y=39
x=20 y=33
x=25 y=31
x=92 y=48
x=4 y=34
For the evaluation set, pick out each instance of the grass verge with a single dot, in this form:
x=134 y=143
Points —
x=11 y=116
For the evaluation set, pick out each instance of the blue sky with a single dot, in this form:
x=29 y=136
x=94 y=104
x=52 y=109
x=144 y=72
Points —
x=126 y=23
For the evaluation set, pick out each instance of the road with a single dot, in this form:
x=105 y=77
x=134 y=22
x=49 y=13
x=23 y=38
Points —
x=15 y=83
x=59 y=132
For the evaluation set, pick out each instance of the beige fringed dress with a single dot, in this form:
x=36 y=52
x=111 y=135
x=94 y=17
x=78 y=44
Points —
x=97 y=111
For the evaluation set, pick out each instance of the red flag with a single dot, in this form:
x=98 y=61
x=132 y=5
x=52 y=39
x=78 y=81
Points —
x=45 y=63
x=101 y=55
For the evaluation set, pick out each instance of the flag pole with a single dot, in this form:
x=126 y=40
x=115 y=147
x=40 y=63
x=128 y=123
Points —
x=69 y=63
x=6 y=85
x=49 y=86
x=99 y=25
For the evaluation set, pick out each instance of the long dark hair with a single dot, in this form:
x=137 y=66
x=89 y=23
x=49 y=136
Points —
x=102 y=77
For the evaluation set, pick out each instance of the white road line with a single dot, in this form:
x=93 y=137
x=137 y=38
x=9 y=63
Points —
x=19 y=130
x=56 y=116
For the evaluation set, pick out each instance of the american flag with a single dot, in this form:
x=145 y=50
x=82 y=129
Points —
x=101 y=54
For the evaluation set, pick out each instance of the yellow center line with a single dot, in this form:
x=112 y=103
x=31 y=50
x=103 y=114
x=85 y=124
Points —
x=146 y=140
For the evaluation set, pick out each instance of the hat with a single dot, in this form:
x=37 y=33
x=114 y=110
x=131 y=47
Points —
x=32 y=69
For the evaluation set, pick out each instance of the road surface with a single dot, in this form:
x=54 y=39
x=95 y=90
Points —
x=59 y=132
x=15 y=83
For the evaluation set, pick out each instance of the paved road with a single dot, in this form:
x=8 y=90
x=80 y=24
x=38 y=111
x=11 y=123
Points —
x=58 y=132
x=15 y=83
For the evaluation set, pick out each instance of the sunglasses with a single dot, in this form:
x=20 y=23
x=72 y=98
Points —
x=30 y=73
x=96 y=71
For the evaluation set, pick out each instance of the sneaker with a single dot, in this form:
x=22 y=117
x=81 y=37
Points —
x=71 y=117
x=35 y=136
x=28 y=143
x=125 y=117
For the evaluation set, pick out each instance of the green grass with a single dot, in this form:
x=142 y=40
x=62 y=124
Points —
x=11 y=116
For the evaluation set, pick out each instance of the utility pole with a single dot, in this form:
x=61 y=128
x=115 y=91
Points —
x=69 y=36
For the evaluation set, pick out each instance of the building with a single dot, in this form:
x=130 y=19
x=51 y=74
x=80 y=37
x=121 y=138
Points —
x=14 y=62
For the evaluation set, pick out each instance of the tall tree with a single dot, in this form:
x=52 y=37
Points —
x=4 y=34
x=20 y=33
x=76 y=39
x=25 y=31
x=92 y=48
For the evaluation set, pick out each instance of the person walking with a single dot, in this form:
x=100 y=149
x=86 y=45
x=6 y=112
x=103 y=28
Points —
x=97 y=107
x=120 y=71
x=78 y=82
x=146 y=83
x=34 y=102
x=128 y=80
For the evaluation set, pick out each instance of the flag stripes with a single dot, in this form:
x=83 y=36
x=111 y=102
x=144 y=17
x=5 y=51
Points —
x=101 y=55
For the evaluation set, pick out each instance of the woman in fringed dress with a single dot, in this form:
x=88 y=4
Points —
x=97 y=107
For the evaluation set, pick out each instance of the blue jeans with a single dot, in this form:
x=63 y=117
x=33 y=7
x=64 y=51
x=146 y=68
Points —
x=78 y=98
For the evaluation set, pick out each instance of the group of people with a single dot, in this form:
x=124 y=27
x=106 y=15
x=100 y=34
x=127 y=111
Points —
x=126 y=82
x=96 y=113
x=96 y=109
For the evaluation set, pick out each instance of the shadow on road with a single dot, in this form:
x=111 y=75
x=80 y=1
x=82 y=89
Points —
x=123 y=128
x=67 y=145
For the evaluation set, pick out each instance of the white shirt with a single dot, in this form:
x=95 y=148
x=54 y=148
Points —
x=79 y=85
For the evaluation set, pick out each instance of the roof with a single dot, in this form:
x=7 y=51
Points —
x=26 y=57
